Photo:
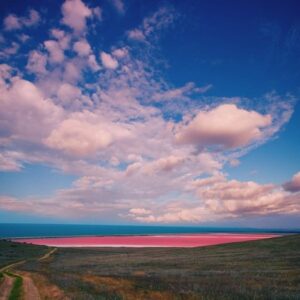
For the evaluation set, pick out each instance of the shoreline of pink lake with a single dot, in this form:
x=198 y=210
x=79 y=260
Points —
x=180 y=240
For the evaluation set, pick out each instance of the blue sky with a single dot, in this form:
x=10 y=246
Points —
x=150 y=112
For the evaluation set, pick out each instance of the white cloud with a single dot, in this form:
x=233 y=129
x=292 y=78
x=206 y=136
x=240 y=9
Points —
x=72 y=71
x=221 y=199
x=75 y=13
x=10 y=50
x=82 y=48
x=226 y=125
x=55 y=51
x=5 y=71
x=13 y=22
x=57 y=33
x=79 y=138
x=25 y=114
x=68 y=92
x=93 y=64
x=37 y=62
x=108 y=61
x=63 y=38
x=120 y=53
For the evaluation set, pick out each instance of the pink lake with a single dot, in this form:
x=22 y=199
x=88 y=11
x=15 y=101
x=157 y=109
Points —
x=180 y=240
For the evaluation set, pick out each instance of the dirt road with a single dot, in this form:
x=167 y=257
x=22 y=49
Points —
x=6 y=287
x=47 y=255
x=29 y=289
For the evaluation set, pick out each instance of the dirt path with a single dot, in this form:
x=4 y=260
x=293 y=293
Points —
x=6 y=287
x=30 y=290
x=6 y=268
x=47 y=255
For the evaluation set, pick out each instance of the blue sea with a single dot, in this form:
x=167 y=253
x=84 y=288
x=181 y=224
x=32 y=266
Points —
x=56 y=230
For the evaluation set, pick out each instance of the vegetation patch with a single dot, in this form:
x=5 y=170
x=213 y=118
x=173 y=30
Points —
x=11 y=252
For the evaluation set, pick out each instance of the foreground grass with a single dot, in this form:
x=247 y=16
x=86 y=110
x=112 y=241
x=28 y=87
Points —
x=16 y=291
x=265 y=269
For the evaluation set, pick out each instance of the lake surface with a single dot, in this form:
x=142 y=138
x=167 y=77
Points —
x=163 y=240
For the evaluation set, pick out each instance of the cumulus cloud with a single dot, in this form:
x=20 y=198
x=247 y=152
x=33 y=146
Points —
x=13 y=22
x=5 y=71
x=72 y=71
x=10 y=50
x=93 y=64
x=220 y=198
x=63 y=38
x=164 y=164
x=24 y=113
x=226 y=125
x=120 y=53
x=235 y=198
x=68 y=92
x=55 y=51
x=108 y=61
x=37 y=62
x=79 y=138
x=82 y=48
x=293 y=185
x=75 y=13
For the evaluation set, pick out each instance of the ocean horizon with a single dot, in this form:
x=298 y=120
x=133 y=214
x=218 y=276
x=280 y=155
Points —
x=26 y=230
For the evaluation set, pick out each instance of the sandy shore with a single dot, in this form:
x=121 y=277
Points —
x=180 y=240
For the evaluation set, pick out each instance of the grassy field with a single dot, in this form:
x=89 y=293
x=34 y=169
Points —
x=11 y=252
x=266 y=269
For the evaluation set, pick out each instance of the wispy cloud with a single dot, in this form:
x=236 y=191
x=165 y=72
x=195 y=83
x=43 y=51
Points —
x=153 y=25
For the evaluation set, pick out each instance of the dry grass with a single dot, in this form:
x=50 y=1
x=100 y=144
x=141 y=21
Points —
x=47 y=290
x=123 y=288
